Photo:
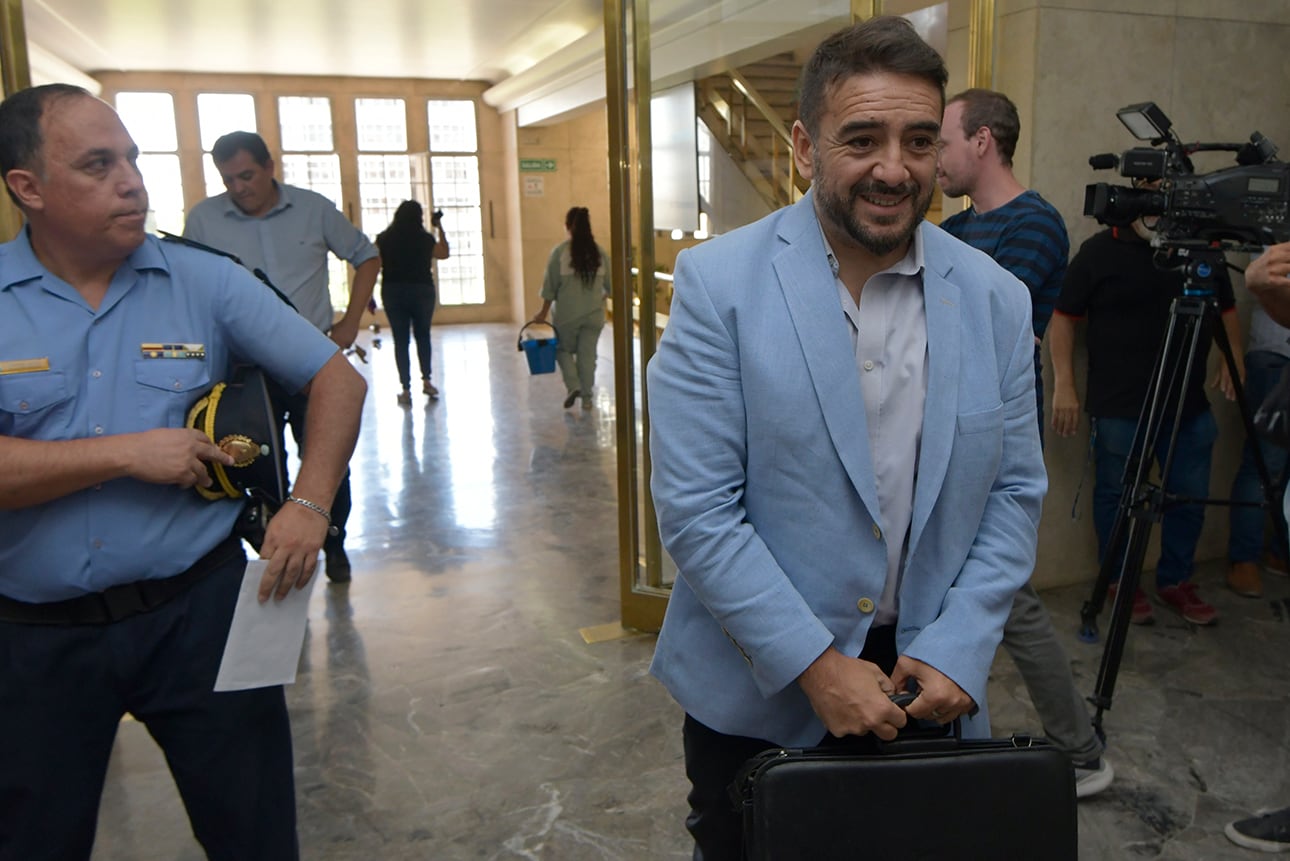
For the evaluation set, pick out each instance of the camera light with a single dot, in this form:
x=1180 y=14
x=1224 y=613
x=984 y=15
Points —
x=1145 y=121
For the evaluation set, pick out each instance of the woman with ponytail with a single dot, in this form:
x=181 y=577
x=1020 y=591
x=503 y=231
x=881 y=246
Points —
x=576 y=282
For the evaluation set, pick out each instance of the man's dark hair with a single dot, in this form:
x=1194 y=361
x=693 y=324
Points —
x=20 y=139
x=231 y=144
x=994 y=111
x=883 y=44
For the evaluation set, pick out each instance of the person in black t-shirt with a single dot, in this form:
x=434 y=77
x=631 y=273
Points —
x=1113 y=284
x=407 y=288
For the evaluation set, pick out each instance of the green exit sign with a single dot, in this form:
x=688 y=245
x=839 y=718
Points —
x=537 y=165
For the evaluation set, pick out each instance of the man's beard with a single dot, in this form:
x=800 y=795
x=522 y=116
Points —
x=842 y=213
x=949 y=189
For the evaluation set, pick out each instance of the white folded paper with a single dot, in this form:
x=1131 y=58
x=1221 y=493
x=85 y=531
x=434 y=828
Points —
x=264 y=640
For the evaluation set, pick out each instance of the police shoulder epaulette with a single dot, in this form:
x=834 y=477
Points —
x=192 y=243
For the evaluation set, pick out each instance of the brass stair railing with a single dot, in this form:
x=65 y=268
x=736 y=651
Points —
x=733 y=111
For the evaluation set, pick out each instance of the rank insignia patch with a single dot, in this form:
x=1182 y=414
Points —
x=24 y=366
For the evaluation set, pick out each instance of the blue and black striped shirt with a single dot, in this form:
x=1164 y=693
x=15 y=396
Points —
x=1027 y=237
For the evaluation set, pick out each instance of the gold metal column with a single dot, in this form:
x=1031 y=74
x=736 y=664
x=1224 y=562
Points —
x=640 y=575
x=981 y=44
x=647 y=331
x=863 y=10
x=15 y=75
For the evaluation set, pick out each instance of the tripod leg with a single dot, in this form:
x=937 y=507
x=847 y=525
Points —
x=1178 y=343
x=1141 y=503
x=1110 y=550
x=1129 y=566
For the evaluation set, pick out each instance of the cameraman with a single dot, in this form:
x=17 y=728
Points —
x=1114 y=283
x=1268 y=279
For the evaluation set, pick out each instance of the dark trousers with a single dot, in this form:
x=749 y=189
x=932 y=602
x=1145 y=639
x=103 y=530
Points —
x=1188 y=479
x=409 y=308
x=1246 y=539
x=297 y=409
x=712 y=759
x=63 y=691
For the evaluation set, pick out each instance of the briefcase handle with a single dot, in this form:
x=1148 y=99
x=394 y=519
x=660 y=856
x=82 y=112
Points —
x=920 y=735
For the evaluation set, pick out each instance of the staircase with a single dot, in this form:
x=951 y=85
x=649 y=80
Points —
x=749 y=112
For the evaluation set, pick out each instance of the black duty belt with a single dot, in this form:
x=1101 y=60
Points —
x=118 y=602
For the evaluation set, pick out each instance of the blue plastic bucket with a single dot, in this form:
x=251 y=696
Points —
x=540 y=352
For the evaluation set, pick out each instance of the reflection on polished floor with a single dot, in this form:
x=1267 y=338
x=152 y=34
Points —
x=447 y=707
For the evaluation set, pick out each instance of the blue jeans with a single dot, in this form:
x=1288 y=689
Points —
x=1189 y=477
x=410 y=310
x=1245 y=544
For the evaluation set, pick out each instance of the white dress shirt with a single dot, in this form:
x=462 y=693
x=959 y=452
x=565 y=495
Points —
x=889 y=334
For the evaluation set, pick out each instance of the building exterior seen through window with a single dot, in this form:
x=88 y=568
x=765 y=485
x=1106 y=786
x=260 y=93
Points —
x=217 y=115
x=309 y=161
x=150 y=120
x=387 y=174
x=454 y=182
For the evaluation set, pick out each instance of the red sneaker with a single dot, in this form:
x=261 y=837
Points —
x=1184 y=599
x=1142 y=614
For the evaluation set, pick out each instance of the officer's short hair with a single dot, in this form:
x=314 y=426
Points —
x=20 y=139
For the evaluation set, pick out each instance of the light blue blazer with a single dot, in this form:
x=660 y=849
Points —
x=764 y=483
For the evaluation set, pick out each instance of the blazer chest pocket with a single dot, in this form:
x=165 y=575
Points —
x=33 y=405
x=980 y=422
x=167 y=388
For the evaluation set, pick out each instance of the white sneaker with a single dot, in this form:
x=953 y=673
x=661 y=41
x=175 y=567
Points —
x=1266 y=831
x=1092 y=777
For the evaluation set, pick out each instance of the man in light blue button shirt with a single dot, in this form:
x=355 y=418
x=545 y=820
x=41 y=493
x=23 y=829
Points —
x=117 y=580
x=287 y=233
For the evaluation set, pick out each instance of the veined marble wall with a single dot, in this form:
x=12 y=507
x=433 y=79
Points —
x=1219 y=70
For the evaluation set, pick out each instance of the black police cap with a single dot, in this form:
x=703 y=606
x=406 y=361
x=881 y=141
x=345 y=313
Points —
x=239 y=417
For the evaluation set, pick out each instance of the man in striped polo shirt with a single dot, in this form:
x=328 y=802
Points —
x=1014 y=225
x=1026 y=236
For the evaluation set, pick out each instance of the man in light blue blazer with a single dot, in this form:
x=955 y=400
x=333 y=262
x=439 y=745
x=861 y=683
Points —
x=846 y=455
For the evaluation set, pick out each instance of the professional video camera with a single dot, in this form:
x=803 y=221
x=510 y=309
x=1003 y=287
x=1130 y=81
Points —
x=1240 y=208
x=1197 y=219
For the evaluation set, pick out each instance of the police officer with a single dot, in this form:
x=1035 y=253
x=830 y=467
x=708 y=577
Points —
x=117 y=580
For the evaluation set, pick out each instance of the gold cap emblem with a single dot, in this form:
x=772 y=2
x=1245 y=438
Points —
x=242 y=449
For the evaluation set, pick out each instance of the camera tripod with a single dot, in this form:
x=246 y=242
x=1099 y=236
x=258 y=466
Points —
x=1143 y=503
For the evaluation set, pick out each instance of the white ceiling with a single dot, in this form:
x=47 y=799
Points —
x=544 y=57
x=464 y=39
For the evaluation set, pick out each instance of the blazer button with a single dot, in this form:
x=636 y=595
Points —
x=877 y=533
x=865 y=605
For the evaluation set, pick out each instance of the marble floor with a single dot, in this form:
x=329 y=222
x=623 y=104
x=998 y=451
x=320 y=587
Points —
x=448 y=708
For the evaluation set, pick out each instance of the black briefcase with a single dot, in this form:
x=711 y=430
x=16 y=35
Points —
x=941 y=799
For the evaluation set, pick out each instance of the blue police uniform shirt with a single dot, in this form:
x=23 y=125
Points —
x=289 y=243
x=69 y=372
